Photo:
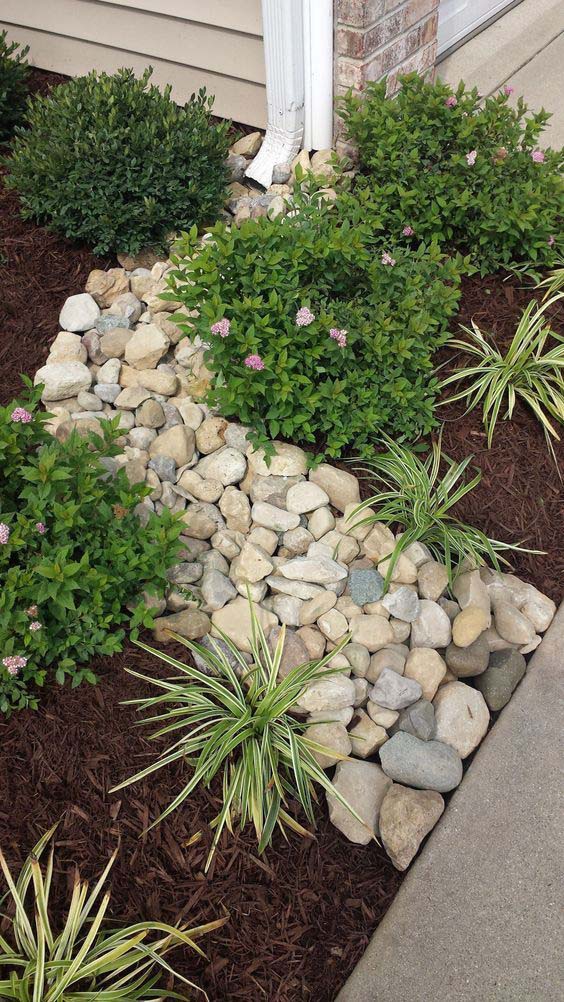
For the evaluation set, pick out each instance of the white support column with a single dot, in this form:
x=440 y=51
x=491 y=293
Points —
x=283 y=30
x=318 y=63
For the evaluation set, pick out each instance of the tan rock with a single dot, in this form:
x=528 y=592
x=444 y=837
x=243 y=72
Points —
x=210 y=435
x=114 y=343
x=248 y=146
x=252 y=564
x=332 y=625
x=512 y=625
x=313 y=640
x=106 y=286
x=363 y=786
x=404 y=571
x=67 y=347
x=176 y=442
x=373 y=632
x=341 y=487
x=432 y=580
x=235 y=621
x=334 y=739
x=381 y=715
x=468 y=625
x=192 y=624
x=288 y=461
x=427 y=667
x=461 y=717
x=406 y=817
x=379 y=542
x=365 y=735
x=146 y=348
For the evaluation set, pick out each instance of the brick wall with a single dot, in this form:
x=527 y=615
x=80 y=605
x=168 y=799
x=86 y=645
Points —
x=377 y=38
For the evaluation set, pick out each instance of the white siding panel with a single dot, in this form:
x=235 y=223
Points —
x=241 y=100
x=236 y=15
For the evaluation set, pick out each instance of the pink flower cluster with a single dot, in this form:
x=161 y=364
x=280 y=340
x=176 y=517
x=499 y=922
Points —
x=304 y=317
x=537 y=156
x=254 y=362
x=551 y=241
x=388 y=259
x=21 y=416
x=41 y=528
x=471 y=157
x=408 y=231
x=4 y=532
x=222 y=327
x=35 y=626
x=508 y=89
x=339 y=336
x=14 y=663
x=451 y=101
x=32 y=611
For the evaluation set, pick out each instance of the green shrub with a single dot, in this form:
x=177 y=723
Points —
x=311 y=389
x=72 y=553
x=14 y=72
x=113 y=162
x=469 y=174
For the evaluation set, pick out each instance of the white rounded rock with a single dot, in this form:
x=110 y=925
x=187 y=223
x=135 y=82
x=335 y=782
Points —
x=305 y=497
x=63 y=379
x=79 y=313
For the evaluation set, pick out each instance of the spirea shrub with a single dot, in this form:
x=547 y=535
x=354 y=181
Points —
x=470 y=174
x=317 y=331
x=72 y=554
x=14 y=72
x=114 y=162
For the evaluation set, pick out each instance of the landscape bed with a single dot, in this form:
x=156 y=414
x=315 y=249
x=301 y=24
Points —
x=315 y=903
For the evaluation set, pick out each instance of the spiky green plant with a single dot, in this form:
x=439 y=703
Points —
x=237 y=722
x=527 y=371
x=554 y=282
x=413 y=493
x=85 y=961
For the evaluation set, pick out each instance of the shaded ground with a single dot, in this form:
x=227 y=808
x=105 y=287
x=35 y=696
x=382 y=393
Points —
x=302 y=915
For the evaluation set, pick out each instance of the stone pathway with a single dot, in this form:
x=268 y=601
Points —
x=478 y=916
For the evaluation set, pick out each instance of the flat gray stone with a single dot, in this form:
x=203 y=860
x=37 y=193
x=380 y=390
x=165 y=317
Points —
x=394 y=691
x=426 y=765
x=365 y=585
x=417 y=719
x=503 y=674
x=402 y=604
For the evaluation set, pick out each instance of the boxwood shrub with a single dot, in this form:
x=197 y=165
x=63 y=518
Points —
x=113 y=162
x=318 y=330
x=72 y=553
x=14 y=72
x=467 y=173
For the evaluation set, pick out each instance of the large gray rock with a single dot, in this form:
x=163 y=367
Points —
x=427 y=765
x=467 y=662
x=394 y=691
x=63 y=379
x=417 y=719
x=363 y=785
x=501 y=677
x=406 y=817
x=79 y=313
x=217 y=589
x=461 y=717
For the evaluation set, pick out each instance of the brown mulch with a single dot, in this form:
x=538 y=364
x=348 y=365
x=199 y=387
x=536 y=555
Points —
x=300 y=915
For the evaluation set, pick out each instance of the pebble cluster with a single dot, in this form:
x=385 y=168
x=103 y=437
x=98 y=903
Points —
x=425 y=666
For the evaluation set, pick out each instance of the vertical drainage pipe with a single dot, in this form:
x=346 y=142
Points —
x=283 y=31
x=318 y=56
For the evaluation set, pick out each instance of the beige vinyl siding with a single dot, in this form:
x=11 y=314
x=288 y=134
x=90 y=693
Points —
x=190 y=44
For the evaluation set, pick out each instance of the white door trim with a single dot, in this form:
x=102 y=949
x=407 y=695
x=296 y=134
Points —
x=459 y=20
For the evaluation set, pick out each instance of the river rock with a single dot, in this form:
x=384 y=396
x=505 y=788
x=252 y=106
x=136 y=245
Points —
x=403 y=604
x=469 y=589
x=341 y=487
x=432 y=580
x=288 y=461
x=252 y=564
x=381 y=715
x=417 y=719
x=63 y=379
x=234 y=620
x=217 y=589
x=539 y=610
x=394 y=691
x=332 y=625
x=79 y=313
x=388 y=657
x=431 y=628
x=270 y=517
x=294 y=651
x=190 y=624
x=427 y=667
x=334 y=738
x=320 y=570
x=427 y=765
x=406 y=817
x=461 y=717
x=365 y=585
x=146 y=348
x=363 y=785
x=366 y=736
x=469 y=624
x=372 y=632
x=512 y=625
x=177 y=442
x=305 y=497
x=469 y=661
x=332 y=693
x=67 y=347
x=502 y=676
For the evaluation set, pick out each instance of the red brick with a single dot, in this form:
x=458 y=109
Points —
x=358 y=13
x=416 y=10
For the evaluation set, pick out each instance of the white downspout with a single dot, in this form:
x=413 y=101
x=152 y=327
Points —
x=283 y=31
x=318 y=55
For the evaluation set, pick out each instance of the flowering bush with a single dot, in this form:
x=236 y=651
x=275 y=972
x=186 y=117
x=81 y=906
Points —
x=114 y=162
x=72 y=553
x=13 y=84
x=317 y=330
x=465 y=172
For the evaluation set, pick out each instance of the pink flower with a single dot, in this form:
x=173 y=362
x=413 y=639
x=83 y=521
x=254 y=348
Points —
x=508 y=89
x=451 y=101
x=471 y=157
x=339 y=336
x=35 y=626
x=221 y=327
x=14 y=663
x=254 y=362
x=4 y=532
x=41 y=528
x=537 y=156
x=32 y=611
x=388 y=259
x=304 y=317
x=408 y=231
x=551 y=241
x=20 y=415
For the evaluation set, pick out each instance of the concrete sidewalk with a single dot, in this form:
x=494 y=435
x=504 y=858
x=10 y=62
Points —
x=525 y=49
x=479 y=915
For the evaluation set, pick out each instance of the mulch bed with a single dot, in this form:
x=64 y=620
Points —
x=301 y=915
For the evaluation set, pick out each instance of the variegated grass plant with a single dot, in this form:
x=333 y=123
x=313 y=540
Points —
x=531 y=369
x=413 y=493
x=86 y=961
x=236 y=721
